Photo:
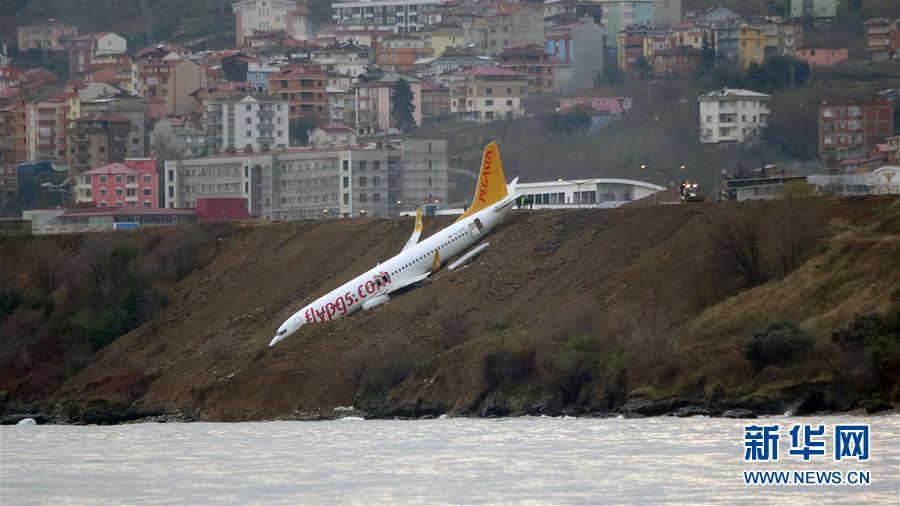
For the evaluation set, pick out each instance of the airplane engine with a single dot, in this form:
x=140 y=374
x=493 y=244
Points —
x=376 y=301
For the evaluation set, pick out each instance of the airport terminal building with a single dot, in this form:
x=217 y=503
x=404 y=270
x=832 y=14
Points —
x=323 y=182
x=596 y=192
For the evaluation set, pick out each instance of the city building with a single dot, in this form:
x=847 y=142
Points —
x=435 y=102
x=175 y=137
x=442 y=37
x=617 y=15
x=398 y=53
x=678 y=61
x=403 y=16
x=594 y=192
x=579 y=44
x=130 y=106
x=819 y=12
x=545 y=73
x=882 y=39
x=762 y=188
x=850 y=129
x=344 y=58
x=751 y=49
x=332 y=134
x=733 y=115
x=133 y=182
x=323 y=182
x=83 y=49
x=171 y=80
x=485 y=94
x=641 y=41
x=372 y=103
x=51 y=35
x=453 y=59
x=599 y=100
x=9 y=76
x=517 y=24
x=782 y=35
x=97 y=140
x=304 y=87
x=46 y=126
x=103 y=219
x=289 y=16
x=818 y=56
x=245 y=121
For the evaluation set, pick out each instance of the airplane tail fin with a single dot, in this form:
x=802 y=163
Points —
x=491 y=187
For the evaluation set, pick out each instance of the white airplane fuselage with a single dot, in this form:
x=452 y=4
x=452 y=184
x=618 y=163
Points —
x=404 y=269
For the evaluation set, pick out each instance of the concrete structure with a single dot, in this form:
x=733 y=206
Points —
x=665 y=13
x=817 y=56
x=372 y=103
x=733 y=115
x=174 y=138
x=401 y=15
x=247 y=121
x=882 y=39
x=435 y=101
x=290 y=16
x=304 y=87
x=51 y=36
x=751 y=49
x=83 y=49
x=820 y=12
x=132 y=183
x=43 y=221
x=545 y=73
x=332 y=134
x=849 y=129
x=595 y=192
x=451 y=60
x=885 y=180
x=485 y=94
x=764 y=188
x=598 y=100
x=46 y=126
x=346 y=59
x=398 y=53
x=97 y=140
x=132 y=107
x=171 y=80
x=102 y=219
x=678 y=61
x=440 y=38
x=579 y=44
x=512 y=25
x=618 y=15
x=782 y=36
x=638 y=41
x=317 y=182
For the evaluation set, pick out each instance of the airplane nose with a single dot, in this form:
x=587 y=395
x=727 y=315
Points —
x=276 y=340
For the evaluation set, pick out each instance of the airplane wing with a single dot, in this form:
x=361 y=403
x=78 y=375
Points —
x=417 y=231
x=393 y=287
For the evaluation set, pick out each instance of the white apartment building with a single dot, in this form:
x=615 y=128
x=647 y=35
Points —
x=291 y=16
x=247 y=121
x=403 y=16
x=337 y=181
x=733 y=115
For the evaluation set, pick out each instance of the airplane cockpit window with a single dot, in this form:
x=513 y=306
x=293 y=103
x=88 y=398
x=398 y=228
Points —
x=282 y=332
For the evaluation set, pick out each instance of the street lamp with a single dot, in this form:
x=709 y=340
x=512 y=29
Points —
x=325 y=214
x=577 y=188
x=362 y=213
x=682 y=168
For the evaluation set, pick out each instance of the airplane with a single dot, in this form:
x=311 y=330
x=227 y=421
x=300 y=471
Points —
x=417 y=260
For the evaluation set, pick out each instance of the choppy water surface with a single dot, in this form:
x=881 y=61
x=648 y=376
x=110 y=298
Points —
x=539 y=460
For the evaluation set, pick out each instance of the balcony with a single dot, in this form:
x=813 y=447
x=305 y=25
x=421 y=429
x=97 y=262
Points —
x=266 y=127
x=265 y=140
x=265 y=114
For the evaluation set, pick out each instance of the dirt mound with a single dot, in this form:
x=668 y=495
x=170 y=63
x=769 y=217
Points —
x=567 y=308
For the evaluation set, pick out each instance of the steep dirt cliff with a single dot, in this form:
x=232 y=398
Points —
x=568 y=311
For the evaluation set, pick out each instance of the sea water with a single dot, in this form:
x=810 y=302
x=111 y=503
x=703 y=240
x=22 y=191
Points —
x=455 y=460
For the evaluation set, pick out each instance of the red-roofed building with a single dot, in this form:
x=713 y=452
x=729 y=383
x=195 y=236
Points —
x=485 y=94
x=160 y=51
x=97 y=219
x=85 y=48
x=851 y=129
x=397 y=53
x=131 y=183
x=545 y=73
x=9 y=76
x=97 y=140
x=303 y=86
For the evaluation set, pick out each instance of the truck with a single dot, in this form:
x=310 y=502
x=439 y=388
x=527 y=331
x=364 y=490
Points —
x=690 y=192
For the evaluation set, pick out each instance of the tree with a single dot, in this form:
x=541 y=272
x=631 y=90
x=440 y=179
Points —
x=707 y=55
x=402 y=107
x=611 y=75
x=642 y=67
x=299 y=129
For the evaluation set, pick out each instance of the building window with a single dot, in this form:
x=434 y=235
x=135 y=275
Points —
x=363 y=198
x=148 y=192
x=118 y=179
x=249 y=107
x=103 y=179
x=249 y=121
x=147 y=203
x=148 y=178
x=346 y=165
x=376 y=165
x=171 y=176
x=376 y=197
x=131 y=179
x=102 y=192
x=362 y=165
x=362 y=181
x=119 y=192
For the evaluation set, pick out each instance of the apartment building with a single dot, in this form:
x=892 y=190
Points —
x=516 y=24
x=403 y=16
x=171 y=80
x=820 y=12
x=346 y=59
x=83 y=49
x=324 y=182
x=130 y=106
x=46 y=126
x=133 y=183
x=545 y=73
x=304 y=87
x=579 y=44
x=371 y=104
x=733 y=115
x=638 y=41
x=289 y=16
x=398 y=53
x=882 y=39
x=97 y=140
x=850 y=129
x=49 y=36
x=245 y=121
x=618 y=15
x=751 y=46
x=485 y=94
x=176 y=137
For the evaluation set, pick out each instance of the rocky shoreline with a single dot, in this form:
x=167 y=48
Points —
x=635 y=407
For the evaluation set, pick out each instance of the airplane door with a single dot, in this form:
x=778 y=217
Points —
x=476 y=228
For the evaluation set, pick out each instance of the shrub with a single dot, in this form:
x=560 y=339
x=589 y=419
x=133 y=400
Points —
x=781 y=344
x=508 y=367
x=859 y=333
x=9 y=301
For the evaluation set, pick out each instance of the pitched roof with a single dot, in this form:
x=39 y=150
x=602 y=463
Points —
x=485 y=71
x=105 y=116
x=337 y=129
x=118 y=168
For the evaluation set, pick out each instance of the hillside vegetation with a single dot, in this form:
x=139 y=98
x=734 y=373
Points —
x=639 y=310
